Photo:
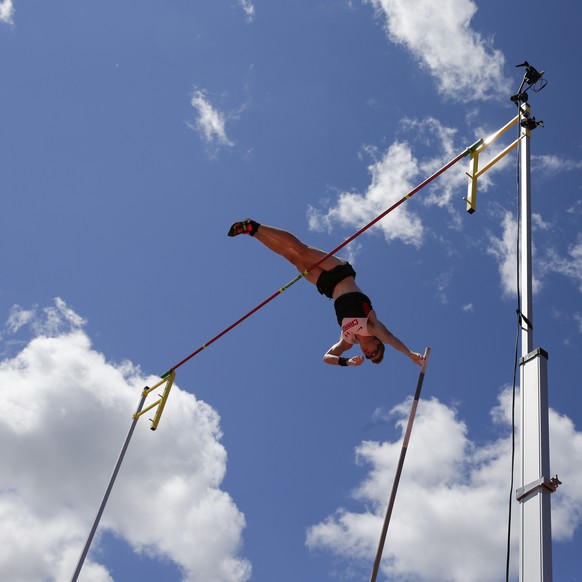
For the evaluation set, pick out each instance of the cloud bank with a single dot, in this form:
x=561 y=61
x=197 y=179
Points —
x=65 y=414
x=450 y=518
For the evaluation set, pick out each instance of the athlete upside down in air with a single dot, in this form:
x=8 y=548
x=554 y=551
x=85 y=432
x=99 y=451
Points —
x=334 y=278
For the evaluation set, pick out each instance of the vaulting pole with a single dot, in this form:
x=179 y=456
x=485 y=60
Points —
x=390 y=507
x=109 y=488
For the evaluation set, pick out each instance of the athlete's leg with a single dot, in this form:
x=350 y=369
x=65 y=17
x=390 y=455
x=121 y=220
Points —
x=295 y=251
x=288 y=246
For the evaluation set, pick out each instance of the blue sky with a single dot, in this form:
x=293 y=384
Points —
x=132 y=136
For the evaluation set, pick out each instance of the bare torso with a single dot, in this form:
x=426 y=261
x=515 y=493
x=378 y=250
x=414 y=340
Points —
x=347 y=285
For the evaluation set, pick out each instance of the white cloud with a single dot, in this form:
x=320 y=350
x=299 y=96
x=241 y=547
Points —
x=7 y=12
x=570 y=266
x=504 y=250
x=552 y=164
x=451 y=501
x=249 y=9
x=62 y=423
x=539 y=223
x=391 y=180
x=441 y=286
x=576 y=208
x=52 y=321
x=210 y=122
x=566 y=458
x=19 y=317
x=440 y=140
x=439 y=35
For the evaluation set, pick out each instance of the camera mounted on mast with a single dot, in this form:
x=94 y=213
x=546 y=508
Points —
x=534 y=80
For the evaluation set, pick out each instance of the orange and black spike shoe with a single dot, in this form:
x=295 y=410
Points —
x=246 y=226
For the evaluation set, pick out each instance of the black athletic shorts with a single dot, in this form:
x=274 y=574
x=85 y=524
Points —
x=327 y=281
x=354 y=304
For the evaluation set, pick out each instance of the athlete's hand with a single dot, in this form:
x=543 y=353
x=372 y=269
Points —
x=417 y=358
x=356 y=361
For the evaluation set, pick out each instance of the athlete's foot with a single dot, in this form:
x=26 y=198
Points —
x=246 y=226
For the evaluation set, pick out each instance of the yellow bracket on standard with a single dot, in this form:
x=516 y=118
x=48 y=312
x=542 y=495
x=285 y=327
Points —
x=168 y=380
x=474 y=171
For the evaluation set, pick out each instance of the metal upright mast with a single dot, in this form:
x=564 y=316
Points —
x=533 y=494
x=536 y=486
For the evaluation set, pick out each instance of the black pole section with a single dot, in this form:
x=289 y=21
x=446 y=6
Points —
x=109 y=488
x=378 y=559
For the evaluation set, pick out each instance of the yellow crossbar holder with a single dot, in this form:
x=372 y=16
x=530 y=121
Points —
x=168 y=381
x=474 y=171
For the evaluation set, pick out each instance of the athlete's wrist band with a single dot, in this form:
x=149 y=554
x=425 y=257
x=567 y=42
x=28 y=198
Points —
x=342 y=361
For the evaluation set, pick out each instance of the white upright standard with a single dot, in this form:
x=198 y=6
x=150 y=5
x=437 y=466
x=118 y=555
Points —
x=536 y=485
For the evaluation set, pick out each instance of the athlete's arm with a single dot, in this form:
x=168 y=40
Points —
x=334 y=353
x=377 y=328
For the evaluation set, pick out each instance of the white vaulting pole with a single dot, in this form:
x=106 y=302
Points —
x=390 y=507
